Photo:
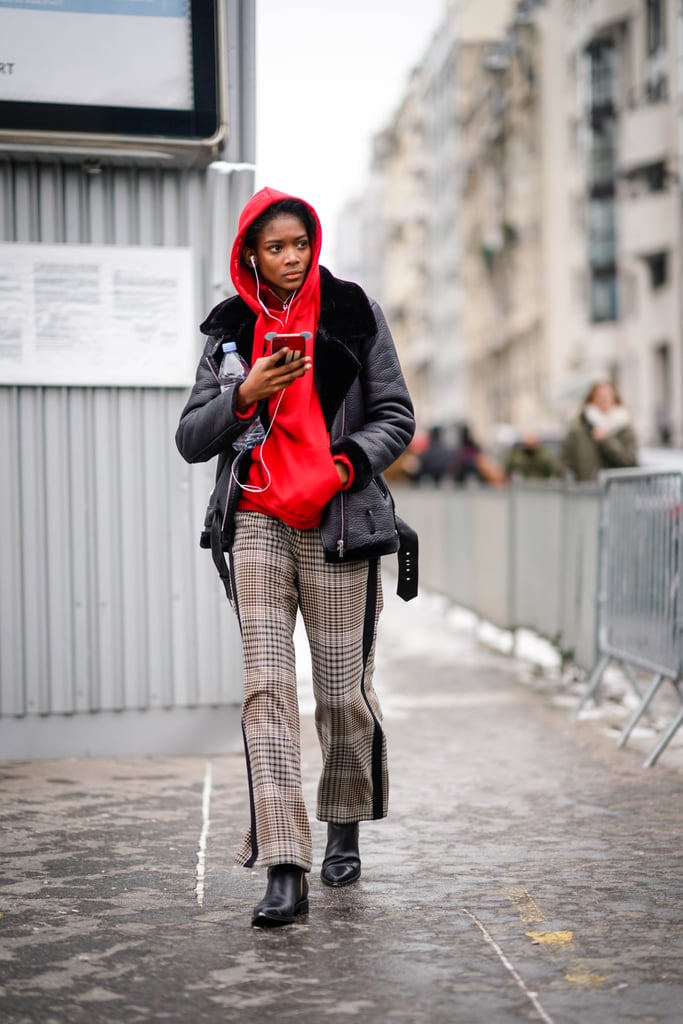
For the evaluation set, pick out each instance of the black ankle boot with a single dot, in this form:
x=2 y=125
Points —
x=341 y=864
x=286 y=897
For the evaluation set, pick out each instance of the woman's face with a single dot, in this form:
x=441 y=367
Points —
x=603 y=397
x=283 y=254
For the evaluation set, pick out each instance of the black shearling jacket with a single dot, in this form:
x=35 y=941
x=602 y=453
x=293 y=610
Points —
x=365 y=404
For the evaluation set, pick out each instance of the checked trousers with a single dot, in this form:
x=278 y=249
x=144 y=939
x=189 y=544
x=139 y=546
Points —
x=278 y=570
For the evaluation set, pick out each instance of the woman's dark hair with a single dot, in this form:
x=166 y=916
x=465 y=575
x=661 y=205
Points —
x=289 y=206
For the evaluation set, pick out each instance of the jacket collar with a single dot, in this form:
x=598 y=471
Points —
x=347 y=324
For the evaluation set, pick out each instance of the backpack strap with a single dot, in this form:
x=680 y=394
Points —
x=212 y=523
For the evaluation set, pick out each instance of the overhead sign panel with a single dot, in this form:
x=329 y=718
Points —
x=138 y=68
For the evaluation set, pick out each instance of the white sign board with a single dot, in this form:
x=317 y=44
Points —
x=88 y=315
x=113 y=53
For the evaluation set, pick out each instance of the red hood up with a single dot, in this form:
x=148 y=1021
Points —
x=242 y=277
x=292 y=474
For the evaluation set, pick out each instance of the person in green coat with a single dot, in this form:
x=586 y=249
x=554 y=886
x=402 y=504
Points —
x=601 y=437
x=530 y=459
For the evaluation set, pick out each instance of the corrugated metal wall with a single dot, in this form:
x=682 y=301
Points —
x=116 y=636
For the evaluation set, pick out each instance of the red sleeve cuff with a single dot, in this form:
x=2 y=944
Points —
x=349 y=465
x=248 y=413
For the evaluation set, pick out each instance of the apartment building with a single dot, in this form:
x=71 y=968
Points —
x=526 y=220
x=400 y=160
x=624 y=57
x=446 y=375
x=500 y=226
x=571 y=214
x=410 y=212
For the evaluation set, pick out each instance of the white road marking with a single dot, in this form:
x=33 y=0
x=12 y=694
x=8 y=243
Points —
x=531 y=996
x=206 y=821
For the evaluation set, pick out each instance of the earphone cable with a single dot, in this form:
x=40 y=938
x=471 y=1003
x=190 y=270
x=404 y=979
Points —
x=252 y=488
x=269 y=312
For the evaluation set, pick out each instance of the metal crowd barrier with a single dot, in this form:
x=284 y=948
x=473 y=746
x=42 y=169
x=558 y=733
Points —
x=520 y=556
x=594 y=568
x=640 y=618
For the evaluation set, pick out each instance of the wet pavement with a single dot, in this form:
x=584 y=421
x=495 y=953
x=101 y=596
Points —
x=529 y=869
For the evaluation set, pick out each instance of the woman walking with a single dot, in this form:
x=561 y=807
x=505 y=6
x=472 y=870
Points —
x=305 y=517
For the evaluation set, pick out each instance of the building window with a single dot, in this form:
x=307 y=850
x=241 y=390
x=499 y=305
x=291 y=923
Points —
x=601 y=75
x=602 y=259
x=601 y=228
x=602 y=154
x=657 y=89
x=648 y=178
x=604 y=295
x=655 y=176
x=602 y=234
x=663 y=392
x=658 y=266
x=655 y=18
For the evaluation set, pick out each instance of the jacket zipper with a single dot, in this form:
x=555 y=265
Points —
x=211 y=367
x=340 y=542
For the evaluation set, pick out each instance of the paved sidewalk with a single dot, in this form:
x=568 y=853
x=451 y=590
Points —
x=528 y=871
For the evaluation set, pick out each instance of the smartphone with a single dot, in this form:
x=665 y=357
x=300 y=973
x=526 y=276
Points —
x=296 y=343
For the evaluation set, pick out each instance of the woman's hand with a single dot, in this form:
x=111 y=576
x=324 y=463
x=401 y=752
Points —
x=343 y=473
x=268 y=375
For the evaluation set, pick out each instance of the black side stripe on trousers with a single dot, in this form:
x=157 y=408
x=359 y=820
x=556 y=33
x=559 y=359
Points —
x=252 y=804
x=368 y=635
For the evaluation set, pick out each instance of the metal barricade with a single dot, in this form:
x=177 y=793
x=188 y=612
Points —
x=579 y=573
x=538 y=540
x=639 y=600
x=523 y=556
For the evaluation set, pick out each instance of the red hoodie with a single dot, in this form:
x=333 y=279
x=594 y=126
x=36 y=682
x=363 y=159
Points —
x=293 y=474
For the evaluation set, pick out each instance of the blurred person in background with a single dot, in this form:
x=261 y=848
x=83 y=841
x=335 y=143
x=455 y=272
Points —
x=530 y=459
x=403 y=470
x=436 y=459
x=472 y=464
x=601 y=436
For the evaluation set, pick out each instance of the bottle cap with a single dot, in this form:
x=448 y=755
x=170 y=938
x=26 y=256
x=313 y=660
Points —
x=229 y=346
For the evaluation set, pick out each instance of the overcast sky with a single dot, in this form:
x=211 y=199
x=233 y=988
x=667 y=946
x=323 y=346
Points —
x=330 y=73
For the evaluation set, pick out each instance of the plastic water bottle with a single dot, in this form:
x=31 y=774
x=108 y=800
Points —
x=234 y=369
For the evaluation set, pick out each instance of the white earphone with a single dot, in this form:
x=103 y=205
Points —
x=252 y=260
